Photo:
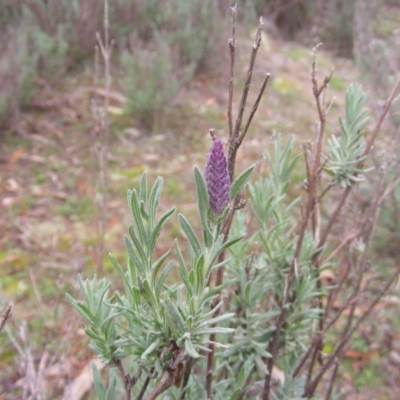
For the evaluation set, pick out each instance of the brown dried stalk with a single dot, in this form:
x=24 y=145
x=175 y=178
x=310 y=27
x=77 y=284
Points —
x=169 y=377
x=313 y=384
x=313 y=171
x=4 y=317
x=106 y=50
x=233 y=142
x=232 y=48
x=236 y=136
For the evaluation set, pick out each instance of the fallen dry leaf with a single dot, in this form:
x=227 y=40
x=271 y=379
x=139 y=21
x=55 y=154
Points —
x=82 y=383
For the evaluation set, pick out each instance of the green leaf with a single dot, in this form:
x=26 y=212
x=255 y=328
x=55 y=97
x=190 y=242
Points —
x=183 y=274
x=240 y=181
x=150 y=349
x=154 y=199
x=98 y=384
x=158 y=228
x=163 y=277
x=137 y=218
x=202 y=201
x=190 y=350
x=191 y=236
x=156 y=267
x=213 y=329
x=143 y=188
x=175 y=314
x=112 y=384
x=132 y=254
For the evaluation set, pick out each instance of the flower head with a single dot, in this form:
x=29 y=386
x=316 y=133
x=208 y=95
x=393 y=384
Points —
x=217 y=178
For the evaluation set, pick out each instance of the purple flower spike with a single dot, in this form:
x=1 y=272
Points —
x=217 y=178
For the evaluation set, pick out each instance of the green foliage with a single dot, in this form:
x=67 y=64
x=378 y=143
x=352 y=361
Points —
x=269 y=307
x=165 y=50
x=150 y=82
x=261 y=275
x=347 y=151
x=150 y=320
x=160 y=48
x=338 y=30
x=101 y=393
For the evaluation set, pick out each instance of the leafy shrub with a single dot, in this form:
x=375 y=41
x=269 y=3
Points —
x=150 y=82
x=227 y=323
x=163 y=50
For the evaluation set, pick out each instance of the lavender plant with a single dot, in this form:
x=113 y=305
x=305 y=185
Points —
x=248 y=314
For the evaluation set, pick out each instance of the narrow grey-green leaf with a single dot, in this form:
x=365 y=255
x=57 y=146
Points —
x=139 y=264
x=138 y=220
x=150 y=349
x=157 y=265
x=202 y=201
x=240 y=181
x=191 y=236
x=190 y=350
x=163 y=276
x=158 y=228
x=154 y=199
x=143 y=188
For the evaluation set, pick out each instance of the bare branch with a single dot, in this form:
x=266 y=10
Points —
x=254 y=109
x=5 y=316
x=232 y=48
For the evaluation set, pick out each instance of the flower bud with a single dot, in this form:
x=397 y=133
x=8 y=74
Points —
x=216 y=175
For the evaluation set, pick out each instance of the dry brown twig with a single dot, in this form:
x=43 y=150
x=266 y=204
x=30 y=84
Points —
x=102 y=119
x=236 y=136
x=4 y=317
x=314 y=167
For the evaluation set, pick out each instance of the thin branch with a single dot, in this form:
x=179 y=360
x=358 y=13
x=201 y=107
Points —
x=312 y=386
x=106 y=50
x=332 y=380
x=232 y=48
x=254 y=109
x=385 y=110
x=145 y=384
x=233 y=144
x=344 y=242
x=368 y=147
x=4 y=317
x=167 y=379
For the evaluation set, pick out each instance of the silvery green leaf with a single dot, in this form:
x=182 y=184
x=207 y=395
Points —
x=191 y=236
x=217 y=320
x=175 y=314
x=202 y=201
x=150 y=349
x=98 y=384
x=132 y=254
x=138 y=248
x=112 y=385
x=240 y=181
x=143 y=188
x=185 y=278
x=137 y=218
x=163 y=277
x=157 y=229
x=214 y=329
x=154 y=199
x=156 y=267
x=190 y=350
x=143 y=211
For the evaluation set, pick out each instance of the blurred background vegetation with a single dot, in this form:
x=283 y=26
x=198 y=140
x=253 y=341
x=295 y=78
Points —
x=169 y=73
x=159 y=48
